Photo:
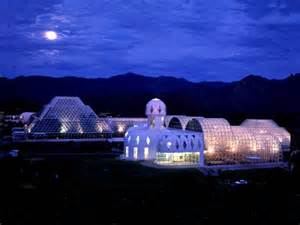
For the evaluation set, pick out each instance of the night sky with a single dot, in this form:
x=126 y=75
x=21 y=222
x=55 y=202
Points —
x=195 y=39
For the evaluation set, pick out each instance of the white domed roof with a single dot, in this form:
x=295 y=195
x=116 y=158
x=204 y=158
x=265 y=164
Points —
x=156 y=107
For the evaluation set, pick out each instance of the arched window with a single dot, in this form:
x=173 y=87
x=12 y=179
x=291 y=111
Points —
x=126 y=152
x=175 y=123
x=146 y=153
x=169 y=144
x=148 y=140
x=194 y=125
x=135 y=152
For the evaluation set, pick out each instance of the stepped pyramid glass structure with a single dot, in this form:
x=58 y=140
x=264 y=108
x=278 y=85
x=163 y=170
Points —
x=68 y=117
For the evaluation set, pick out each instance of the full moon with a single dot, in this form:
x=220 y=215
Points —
x=51 y=35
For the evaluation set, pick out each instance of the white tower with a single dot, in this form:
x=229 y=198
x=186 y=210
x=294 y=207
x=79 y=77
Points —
x=156 y=112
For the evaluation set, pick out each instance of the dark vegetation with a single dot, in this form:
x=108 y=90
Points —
x=96 y=190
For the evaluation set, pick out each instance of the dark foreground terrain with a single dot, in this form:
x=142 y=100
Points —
x=96 y=190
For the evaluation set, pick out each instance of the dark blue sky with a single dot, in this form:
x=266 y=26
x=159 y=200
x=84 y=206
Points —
x=194 y=39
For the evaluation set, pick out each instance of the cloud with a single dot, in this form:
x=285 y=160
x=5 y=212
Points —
x=196 y=39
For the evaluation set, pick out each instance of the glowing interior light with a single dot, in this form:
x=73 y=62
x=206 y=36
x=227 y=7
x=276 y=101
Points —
x=233 y=146
x=126 y=134
x=63 y=128
x=80 y=130
x=120 y=129
x=169 y=144
x=276 y=148
x=135 y=152
x=137 y=140
x=146 y=152
x=126 y=151
x=148 y=140
x=179 y=158
x=99 y=128
x=210 y=150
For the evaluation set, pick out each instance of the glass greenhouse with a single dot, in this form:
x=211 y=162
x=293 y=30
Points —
x=68 y=117
x=120 y=125
x=254 y=141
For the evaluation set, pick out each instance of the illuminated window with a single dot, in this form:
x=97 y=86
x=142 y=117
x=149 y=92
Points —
x=135 y=152
x=120 y=129
x=99 y=128
x=63 y=128
x=152 y=123
x=169 y=144
x=146 y=152
x=137 y=140
x=80 y=130
x=210 y=150
x=275 y=148
x=178 y=158
x=126 y=151
x=148 y=140
x=126 y=134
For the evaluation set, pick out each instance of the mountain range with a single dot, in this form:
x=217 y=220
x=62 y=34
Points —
x=127 y=94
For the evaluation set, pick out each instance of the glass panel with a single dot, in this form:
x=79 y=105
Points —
x=146 y=152
x=135 y=152
x=177 y=158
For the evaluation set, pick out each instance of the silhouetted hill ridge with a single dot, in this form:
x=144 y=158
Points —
x=127 y=94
